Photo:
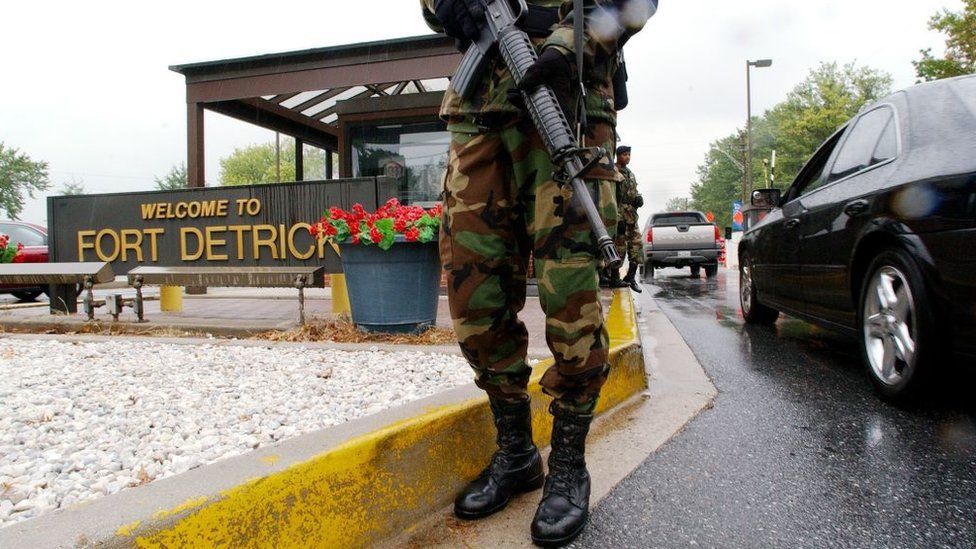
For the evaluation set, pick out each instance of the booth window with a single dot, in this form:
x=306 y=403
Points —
x=413 y=153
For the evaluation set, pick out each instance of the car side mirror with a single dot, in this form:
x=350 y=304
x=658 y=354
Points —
x=766 y=198
x=728 y=233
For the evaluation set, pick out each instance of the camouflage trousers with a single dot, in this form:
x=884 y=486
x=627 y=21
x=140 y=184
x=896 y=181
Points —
x=629 y=243
x=501 y=205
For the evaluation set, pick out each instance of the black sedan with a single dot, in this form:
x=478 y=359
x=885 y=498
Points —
x=876 y=237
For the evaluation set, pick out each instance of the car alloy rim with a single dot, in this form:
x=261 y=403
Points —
x=745 y=288
x=890 y=325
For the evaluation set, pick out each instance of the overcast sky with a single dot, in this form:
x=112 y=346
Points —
x=86 y=85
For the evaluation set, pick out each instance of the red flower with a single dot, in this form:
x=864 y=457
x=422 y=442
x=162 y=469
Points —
x=20 y=258
x=355 y=238
x=400 y=225
x=375 y=235
x=413 y=234
x=314 y=230
x=336 y=213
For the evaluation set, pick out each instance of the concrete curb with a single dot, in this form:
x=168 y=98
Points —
x=348 y=486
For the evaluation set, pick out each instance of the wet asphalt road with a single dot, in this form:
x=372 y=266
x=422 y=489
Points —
x=797 y=450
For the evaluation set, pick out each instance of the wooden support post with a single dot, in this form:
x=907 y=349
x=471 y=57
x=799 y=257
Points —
x=299 y=160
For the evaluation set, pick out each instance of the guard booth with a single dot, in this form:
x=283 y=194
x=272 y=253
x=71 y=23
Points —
x=372 y=108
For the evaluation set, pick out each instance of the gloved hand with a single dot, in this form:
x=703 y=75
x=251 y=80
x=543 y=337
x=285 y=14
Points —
x=555 y=69
x=462 y=19
x=639 y=202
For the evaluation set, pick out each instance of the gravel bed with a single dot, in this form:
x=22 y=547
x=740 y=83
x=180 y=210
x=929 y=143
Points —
x=80 y=420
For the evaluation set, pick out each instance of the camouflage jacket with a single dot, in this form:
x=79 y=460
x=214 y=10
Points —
x=627 y=194
x=601 y=57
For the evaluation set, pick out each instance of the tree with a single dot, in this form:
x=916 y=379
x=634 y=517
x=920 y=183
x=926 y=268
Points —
x=257 y=164
x=678 y=204
x=720 y=178
x=73 y=188
x=829 y=97
x=174 y=180
x=960 y=56
x=19 y=175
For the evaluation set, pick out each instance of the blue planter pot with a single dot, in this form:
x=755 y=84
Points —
x=395 y=290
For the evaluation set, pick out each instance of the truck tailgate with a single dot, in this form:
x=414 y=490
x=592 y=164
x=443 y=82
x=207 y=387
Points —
x=684 y=237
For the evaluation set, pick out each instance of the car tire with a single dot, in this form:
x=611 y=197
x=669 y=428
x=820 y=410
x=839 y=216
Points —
x=696 y=271
x=753 y=311
x=648 y=274
x=898 y=331
x=711 y=270
x=27 y=295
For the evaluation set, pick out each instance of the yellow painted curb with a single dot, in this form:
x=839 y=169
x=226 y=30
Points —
x=377 y=485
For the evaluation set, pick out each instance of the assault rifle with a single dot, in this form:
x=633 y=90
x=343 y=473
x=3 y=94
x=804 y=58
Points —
x=519 y=54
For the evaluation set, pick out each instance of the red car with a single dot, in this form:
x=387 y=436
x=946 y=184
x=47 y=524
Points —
x=34 y=239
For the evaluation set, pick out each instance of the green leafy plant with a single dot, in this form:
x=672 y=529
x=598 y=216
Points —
x=381 y=227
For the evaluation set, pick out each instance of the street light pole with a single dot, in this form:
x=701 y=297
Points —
x=747 y=183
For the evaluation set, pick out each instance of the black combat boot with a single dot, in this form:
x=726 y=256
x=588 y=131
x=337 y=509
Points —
x=631 y=280
x=615 y=281
x=565 y=504
x=515 y=468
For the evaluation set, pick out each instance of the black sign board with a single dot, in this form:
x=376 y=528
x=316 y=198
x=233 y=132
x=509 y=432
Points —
x=257 y=225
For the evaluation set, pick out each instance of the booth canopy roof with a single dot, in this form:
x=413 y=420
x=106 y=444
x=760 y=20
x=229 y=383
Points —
x=303 y=87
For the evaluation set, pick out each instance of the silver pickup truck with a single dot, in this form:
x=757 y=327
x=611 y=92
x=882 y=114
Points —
x=681 y=239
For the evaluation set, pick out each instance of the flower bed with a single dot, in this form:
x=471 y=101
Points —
x=380 y=228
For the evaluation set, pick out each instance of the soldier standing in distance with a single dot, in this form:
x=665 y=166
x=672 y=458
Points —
x=628 y=240
x=501 y=204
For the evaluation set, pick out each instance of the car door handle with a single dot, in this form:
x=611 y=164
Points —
x=792 y=223
x=857 y=208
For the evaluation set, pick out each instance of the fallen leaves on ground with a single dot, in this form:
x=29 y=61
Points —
x=341 y=331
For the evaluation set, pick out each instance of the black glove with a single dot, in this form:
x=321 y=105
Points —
x=554 y=69
x=462 y=19
x=639 y=202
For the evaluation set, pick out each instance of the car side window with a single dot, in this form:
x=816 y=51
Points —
x=812 y=176
x=859 y=150
x=888 y=146
x=22 y=235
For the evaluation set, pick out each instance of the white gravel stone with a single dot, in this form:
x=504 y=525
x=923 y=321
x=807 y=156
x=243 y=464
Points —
x=79 y=420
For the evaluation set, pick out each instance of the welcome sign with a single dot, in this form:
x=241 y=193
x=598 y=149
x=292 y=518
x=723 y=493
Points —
x=257 y=225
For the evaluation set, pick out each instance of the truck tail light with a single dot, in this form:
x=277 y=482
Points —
x=718 y=234
x=650 y=236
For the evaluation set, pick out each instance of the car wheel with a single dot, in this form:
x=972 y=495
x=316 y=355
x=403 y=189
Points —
x=753 y=311
x=711 y=270
x=898 y=332
x=696 y=271
x=27 y=295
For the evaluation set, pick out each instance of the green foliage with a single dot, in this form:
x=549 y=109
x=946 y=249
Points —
x=829 y=97
x=256 y=164
x=174 y=180
x=960 y=56
x=19 y=176
x=73 y=188
x=678 y=204
x=720 y=178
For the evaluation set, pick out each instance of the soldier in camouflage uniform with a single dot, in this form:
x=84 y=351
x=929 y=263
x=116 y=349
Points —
x=629 y=200
x=501 y=204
